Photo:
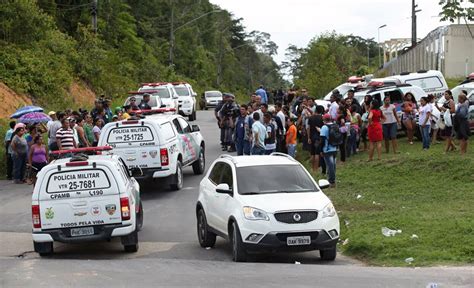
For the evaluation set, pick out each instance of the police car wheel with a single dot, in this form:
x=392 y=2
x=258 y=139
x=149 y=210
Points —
x=200 y=164
x=178 y=178
x=130 y=242
x=140 y=217
x=43 y=248
x=131 y=248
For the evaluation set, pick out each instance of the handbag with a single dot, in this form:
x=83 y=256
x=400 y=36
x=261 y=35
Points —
x=447 y=118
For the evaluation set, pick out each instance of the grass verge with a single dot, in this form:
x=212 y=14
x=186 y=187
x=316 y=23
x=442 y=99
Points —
x=419 y=192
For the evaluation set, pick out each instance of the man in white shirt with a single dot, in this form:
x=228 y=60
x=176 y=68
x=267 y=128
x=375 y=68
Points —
x=333 y=107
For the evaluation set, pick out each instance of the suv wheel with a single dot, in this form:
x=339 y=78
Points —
x=238 y=251
x=192 y=117
x=43 y=248
x=329 y=254
x=200 y=164
x=140 y=217
x=178 y=177
x=205 y=237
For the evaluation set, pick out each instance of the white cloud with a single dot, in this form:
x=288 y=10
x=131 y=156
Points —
x=298 y=21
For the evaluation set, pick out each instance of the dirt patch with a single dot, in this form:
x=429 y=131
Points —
x=11 y=101
x=81 y=94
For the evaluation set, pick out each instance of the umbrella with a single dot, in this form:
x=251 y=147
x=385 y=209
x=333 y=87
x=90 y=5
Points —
x=34 y=117
x=25 y=110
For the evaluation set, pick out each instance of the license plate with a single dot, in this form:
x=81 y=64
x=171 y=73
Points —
x=83 y=231
x=298 y=240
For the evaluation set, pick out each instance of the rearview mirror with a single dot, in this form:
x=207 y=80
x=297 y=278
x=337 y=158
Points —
x=194 y=94
x=196 y=128
x=223 y=188
x=323 y=184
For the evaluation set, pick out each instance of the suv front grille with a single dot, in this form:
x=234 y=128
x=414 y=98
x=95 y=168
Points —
x=296 y=217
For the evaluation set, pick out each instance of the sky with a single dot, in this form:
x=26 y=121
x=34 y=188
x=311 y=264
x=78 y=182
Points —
x=298 y=21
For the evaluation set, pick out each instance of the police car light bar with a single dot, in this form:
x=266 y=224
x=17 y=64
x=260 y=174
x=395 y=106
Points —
x=179 y=83
x=82 y=150
x=142 y=92
x=154 y=111
x=153 y=84
x=375 y=84
x=354 y=79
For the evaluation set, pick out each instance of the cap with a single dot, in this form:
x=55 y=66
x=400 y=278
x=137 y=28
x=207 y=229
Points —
x=51 y=113
x=326 y=117
x=228 y=95
x=118 y=108
x=19 y=125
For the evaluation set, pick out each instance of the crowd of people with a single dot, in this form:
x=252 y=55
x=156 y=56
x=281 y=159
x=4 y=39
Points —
x=27 y=152
x=345 y=127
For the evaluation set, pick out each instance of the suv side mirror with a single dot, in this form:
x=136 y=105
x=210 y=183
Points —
x=323 y=184
x=194 y=94
x=224 y=188
x=196 y=128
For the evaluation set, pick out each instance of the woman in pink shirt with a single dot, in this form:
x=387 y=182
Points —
x=37 y=156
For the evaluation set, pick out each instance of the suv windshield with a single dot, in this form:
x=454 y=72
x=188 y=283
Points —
x=139 y=98
x=213 y=94
x=182 y=91
x=274 y=179
x=160 y=91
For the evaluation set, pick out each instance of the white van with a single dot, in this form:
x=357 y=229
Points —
x=431 y=81
x=159 y=145
x=85 y=198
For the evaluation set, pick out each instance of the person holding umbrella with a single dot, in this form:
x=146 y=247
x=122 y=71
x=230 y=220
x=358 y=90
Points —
x=19 y=148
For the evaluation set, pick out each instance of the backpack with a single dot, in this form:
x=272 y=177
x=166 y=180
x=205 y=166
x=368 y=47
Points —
x=335 y=135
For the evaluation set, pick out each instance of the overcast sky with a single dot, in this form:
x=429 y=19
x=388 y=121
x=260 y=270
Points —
x=298 y=21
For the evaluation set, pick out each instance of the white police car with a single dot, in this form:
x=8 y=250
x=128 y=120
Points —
x=160 y=145
x=85 y=198
x=187 y=99
x=168 y=96
x=265 y=203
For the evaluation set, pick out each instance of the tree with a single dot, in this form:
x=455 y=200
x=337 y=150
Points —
x=453 y=10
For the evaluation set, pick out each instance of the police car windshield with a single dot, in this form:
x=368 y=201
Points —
x=160 y=91
x=182 y=91
x=274 y=179
x=139 y=98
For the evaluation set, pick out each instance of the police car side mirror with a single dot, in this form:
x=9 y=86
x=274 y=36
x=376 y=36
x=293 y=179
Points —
x=323 y=184
x=194 y=94
x=196 y=128
x=175 y=97
x=136 y=172
x=224 y=188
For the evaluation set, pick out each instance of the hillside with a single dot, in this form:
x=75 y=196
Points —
x=50 y=53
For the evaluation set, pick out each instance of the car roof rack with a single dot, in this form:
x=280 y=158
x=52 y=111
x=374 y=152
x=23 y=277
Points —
x=282 y=155
x=82 y=151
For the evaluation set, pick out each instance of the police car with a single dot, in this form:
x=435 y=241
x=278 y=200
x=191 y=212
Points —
x=187 y=100
x=160 y=145
x=166 y=92
x=85 y=198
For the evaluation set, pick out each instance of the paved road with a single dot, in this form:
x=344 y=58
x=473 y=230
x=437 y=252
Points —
x=170 y=255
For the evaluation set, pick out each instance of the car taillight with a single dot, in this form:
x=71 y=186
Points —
x=164 y=157
x=35 y=216
x=125 y=208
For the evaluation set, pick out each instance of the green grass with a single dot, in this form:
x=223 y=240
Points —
x=453 y=82
x=420 y=192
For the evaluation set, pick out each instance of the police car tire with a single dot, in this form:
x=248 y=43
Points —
x=131 y=241
x=329 y=254
x=140 y=217
x=192 y=117
x=197 y=168
x=43 y=248
x=131 y=248
x=176 y=185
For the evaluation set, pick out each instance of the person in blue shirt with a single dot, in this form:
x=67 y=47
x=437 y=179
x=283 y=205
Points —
x=263 y=94
x=241 y=136
x=8 y=151
x=328 y=152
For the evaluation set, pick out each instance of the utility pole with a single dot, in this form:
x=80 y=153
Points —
x=413 y=22
x=94 y=16
x=171 y=34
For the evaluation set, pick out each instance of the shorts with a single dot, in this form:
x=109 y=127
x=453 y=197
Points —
x=389 y=131
x=463 y=132
x=447 y=132
x=315 y=148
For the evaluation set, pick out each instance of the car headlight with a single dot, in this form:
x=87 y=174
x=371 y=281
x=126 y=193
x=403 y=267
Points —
x=329 y=211
x=251 y=213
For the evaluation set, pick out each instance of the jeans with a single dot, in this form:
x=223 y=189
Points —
x=342 y=147
x=242 y=147
x=9 y=165
x=257 y=150
x=19 y=166
x=351 y=148
x=330 y=160
x=292 y=150
x=425 y=134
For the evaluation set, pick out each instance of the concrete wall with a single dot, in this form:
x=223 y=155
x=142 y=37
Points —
x=459 y=51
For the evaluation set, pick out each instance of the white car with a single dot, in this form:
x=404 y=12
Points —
x=160 y=146
x=85 y=198
x=211 y=99
x=431 y=81
x=265 y=203
x=187 y=100
x=169 y=97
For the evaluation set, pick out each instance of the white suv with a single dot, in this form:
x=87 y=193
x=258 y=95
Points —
x=265 y=203
x=85 y=198
x=187 y=100
x=160 y=146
